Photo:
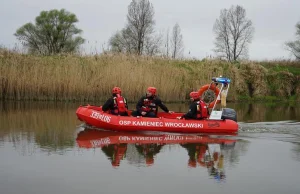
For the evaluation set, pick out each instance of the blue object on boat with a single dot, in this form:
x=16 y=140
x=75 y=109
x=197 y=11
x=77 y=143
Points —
x=223 y=80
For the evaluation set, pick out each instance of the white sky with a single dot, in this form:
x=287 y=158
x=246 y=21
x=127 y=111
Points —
x=274 y=21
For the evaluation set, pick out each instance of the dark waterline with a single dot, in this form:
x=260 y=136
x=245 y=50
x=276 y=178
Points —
x=45 y=149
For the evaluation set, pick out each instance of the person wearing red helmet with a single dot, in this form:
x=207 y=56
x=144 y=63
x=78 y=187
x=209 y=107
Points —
x=117 y=104
x=148 y=105
x=197 y=110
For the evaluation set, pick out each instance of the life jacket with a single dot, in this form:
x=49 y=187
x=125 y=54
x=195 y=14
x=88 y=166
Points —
x=149 y=105
x=119 y=105
x=202 y=110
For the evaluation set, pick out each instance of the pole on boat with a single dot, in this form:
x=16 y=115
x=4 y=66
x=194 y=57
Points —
x=225 y=82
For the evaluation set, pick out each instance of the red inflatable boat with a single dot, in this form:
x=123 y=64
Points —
x=94 y=116
x=219 y=121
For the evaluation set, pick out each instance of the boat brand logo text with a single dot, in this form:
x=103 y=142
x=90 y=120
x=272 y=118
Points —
x=161 y=124
x=99 y=116
x=214 y=124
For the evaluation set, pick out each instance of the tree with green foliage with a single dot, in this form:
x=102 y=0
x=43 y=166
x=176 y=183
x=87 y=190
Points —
x=54 y=32
x=294 y=46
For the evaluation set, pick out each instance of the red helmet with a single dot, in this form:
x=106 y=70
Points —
x=194 y=95
x=152 y=90
x=116 y=90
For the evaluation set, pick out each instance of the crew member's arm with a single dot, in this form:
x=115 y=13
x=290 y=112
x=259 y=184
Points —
x=139 y=105
x=192 y=113
x=126 y=105
x=161 y=105
x=108 y=104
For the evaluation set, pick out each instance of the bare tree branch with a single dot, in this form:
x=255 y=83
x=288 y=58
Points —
x=137 y=36
x=233 y=33
x=176 y=42
x=167 y=42
x=294 y=46
x=153 y=45
x=140 y=19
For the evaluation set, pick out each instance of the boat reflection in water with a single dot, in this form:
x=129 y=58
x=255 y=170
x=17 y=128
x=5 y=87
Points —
x=203 y=150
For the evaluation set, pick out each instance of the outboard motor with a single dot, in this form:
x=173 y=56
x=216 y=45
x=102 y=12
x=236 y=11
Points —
x=229 y=113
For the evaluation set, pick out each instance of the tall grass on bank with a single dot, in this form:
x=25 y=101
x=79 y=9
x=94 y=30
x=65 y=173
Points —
x=25 y=77
x=283 y=65
x=78 y=78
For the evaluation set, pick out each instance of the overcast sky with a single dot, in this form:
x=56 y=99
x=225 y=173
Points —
x=274 y=21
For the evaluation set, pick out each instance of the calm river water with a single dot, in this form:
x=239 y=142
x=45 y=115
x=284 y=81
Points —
x=44 y=149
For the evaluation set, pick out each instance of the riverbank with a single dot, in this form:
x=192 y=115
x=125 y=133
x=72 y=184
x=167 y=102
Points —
x=78 y=78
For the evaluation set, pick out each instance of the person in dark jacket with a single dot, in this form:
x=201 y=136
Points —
x=148 y=105
x=197 y=109
x=117 y=104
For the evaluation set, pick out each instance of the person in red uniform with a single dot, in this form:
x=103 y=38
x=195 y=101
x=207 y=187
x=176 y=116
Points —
x=148 y=105
x=117 y=104
x=197 y=110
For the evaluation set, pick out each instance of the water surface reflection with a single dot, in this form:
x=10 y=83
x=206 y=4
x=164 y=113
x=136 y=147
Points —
x=45 y=149
x=203 y=151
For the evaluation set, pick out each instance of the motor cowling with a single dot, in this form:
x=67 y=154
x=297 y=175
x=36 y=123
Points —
x=229 y=113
